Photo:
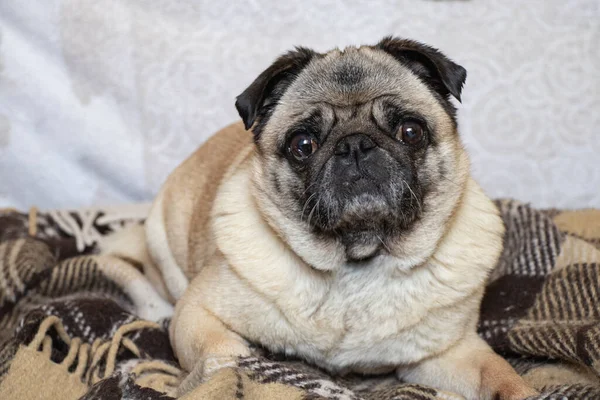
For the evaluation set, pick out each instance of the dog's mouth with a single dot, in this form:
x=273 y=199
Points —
x=362 y=246
x=361 y=260
x=362 y=221
x=350 y=211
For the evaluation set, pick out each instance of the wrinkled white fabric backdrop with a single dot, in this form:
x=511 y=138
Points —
x=101 y=99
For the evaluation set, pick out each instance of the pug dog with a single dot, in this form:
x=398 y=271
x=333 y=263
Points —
x=345 y=229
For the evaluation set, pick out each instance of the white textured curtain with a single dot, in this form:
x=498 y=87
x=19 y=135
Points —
x=101 y=99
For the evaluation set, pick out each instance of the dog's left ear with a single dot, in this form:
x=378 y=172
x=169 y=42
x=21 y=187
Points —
x=437 y=70
x=271 y=83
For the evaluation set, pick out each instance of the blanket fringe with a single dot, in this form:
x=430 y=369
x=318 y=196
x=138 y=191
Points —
x=32 y=218
x=152 y=373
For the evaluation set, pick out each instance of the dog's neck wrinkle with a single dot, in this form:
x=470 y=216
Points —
x=278 y=233
x=449 y=225
x=254 y=249
x=296 y=237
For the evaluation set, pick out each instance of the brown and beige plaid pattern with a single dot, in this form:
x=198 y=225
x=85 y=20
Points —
x=70 y=324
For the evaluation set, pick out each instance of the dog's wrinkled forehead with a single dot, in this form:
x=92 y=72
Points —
x=415 y=77
x=357 y=76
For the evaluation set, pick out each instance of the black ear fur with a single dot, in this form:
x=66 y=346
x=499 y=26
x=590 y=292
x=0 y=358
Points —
x=444 y=76
x=278 y=76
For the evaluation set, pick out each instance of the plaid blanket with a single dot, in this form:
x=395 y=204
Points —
x=75 y=325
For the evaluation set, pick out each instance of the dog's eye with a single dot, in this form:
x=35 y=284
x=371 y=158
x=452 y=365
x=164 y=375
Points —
x=411 y=132
x=302 y=146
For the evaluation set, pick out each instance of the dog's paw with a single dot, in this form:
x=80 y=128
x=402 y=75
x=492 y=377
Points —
x=205 y=369
x=520 y=393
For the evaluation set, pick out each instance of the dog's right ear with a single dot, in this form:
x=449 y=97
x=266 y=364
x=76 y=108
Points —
x=271 y=83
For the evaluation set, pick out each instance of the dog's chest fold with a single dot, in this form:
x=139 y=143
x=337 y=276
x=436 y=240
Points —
x=366 y=319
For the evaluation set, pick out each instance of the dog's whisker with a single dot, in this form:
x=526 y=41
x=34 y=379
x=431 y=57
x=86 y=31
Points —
x=413 y=194
x=306 y=204
x=313 y=210
x=383 y=244
x=308 y=188
x=402 y=212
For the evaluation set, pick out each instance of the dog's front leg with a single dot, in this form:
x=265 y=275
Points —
x=472 y=369
x=202 y=343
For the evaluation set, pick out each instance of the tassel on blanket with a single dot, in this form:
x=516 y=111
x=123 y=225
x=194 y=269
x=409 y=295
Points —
x=34 y=373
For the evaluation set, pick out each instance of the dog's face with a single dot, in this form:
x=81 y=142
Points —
x=357 y=151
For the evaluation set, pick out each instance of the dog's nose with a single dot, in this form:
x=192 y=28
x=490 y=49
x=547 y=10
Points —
x=356 y=145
